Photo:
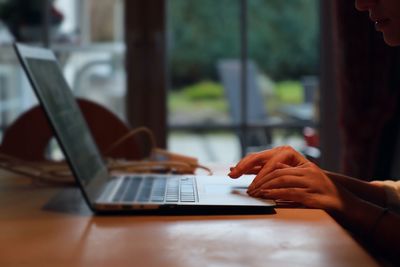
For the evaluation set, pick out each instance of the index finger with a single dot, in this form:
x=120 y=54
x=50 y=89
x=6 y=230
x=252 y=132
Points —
x=250 y=162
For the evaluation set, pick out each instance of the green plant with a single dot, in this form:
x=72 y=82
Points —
x=289 y=92
x=205 y=90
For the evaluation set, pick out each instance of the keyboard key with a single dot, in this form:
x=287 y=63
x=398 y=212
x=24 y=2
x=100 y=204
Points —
x=118 y=195
x=157 y=199
x=188 y=200
x=187 y=193
x=155 y=189
x=132 y=189
x=145 y=190
x=172 y=194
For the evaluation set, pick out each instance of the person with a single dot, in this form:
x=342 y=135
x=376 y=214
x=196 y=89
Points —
x=369 y=209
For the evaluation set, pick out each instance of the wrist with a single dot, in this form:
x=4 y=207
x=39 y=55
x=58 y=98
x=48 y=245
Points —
x=359 y=215
x=348 y=202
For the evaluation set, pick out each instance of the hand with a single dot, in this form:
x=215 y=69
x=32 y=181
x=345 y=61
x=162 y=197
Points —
x=264 y=162
x=306 y=184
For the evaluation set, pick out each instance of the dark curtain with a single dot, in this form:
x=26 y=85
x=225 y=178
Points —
x=368 y=100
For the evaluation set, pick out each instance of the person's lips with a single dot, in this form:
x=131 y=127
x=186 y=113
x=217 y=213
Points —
x=381 y=24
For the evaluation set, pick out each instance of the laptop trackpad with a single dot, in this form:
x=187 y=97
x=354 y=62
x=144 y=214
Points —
x=218 y=189
x=225 y=191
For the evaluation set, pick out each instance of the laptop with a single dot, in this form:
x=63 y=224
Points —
x=107 y=193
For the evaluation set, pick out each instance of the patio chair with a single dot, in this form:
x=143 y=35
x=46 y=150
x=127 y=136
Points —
x=229 y=71
x=29 y=136
x=259 y=137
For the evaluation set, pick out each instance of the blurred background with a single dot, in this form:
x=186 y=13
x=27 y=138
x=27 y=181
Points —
x=241 y=75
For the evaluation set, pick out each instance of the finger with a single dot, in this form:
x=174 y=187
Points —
x=255 y=170
x=293 y=194
x=282 y=165
x=286 y=181
x=246 y=164
x=287 y=157
x=299 y=177
x=270 y=166
x=249 y=162
x=289 y=174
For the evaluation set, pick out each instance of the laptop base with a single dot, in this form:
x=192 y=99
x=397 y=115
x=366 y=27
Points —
x=71 y=201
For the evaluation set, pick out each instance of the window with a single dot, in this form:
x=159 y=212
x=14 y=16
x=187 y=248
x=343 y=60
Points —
x=242 y=74
x=86 y=36
x=213 y=46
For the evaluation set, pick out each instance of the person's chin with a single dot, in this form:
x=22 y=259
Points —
x=391 y=34
x=391 y=40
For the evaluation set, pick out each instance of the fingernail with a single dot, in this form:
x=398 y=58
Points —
x=252 y=192
x=257 y=193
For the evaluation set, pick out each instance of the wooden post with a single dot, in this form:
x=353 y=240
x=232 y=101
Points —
x=145 y=37
x=328 y=106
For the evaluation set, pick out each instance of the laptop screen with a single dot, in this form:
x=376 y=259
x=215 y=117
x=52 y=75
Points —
x=67 y=120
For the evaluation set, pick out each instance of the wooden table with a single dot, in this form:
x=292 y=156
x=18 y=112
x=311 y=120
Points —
x=36 y=233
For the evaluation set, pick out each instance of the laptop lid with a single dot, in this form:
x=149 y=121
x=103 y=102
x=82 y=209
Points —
x=65 y=117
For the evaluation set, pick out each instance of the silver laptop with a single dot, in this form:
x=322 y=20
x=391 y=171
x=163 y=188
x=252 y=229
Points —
x=120 y=194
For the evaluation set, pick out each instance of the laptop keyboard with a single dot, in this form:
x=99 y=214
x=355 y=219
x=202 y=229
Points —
x=156 y=189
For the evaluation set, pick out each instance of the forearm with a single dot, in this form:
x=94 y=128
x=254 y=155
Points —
x=367 y=191
x=373 y=225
